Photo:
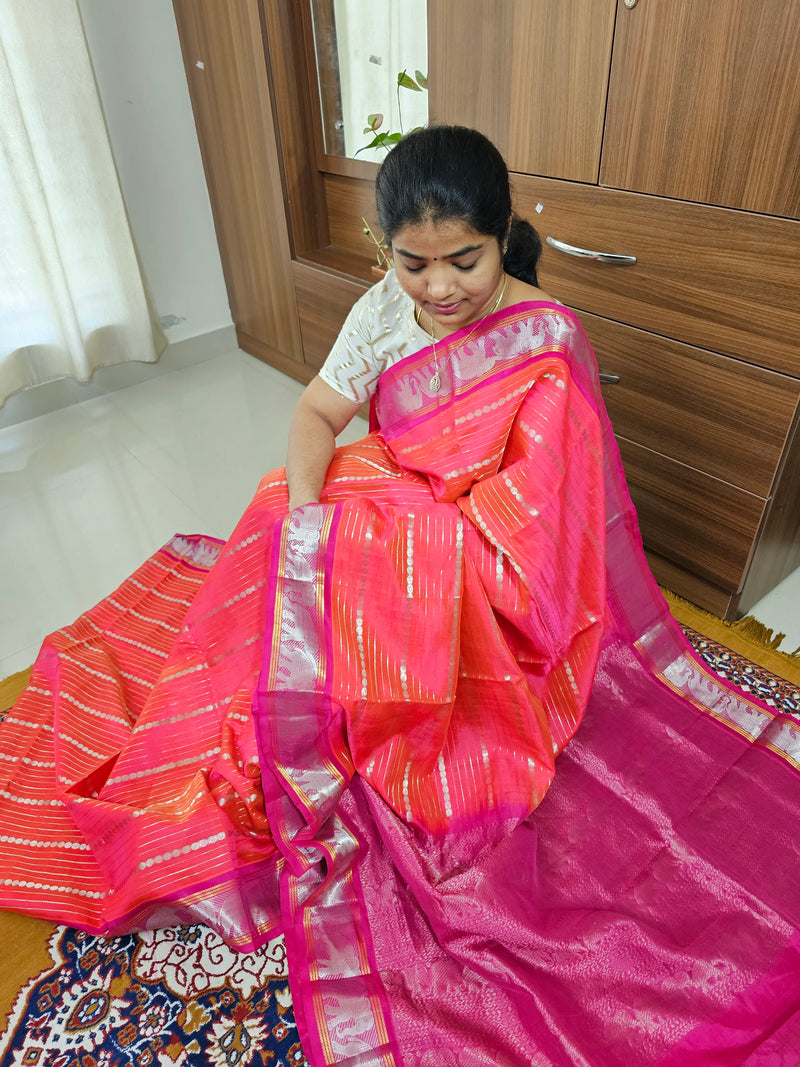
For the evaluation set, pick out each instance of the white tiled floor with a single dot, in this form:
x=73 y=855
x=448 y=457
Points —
x=88 y=492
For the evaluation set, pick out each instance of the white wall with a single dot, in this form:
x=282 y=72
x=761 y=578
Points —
x=137 y=60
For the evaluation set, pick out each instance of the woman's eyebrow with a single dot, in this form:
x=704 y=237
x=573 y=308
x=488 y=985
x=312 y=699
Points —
x=450 y=255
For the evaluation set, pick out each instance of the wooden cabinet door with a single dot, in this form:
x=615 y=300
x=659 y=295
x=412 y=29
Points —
x=699 y=523
x=530 y=74
x=719 y=279
x=704 y=103
x=721 y=416
x=226 y=68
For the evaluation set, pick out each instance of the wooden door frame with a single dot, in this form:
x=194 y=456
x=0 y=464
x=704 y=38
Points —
x=305 y=166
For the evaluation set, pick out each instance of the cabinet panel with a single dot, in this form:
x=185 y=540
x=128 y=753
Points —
x=722 y=416
x=323 y=300
x=294 y=102
x=704 y=103
x=532 y=75
x=690 y=587
x=702 y=524
x=779 y=540
x=223 y=53
x=719 y=279
x=348 y=201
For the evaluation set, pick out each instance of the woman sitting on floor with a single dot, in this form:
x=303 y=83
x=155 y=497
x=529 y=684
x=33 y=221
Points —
x=341 y=724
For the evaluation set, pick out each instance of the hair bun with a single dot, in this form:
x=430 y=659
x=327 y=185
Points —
x=523 y=251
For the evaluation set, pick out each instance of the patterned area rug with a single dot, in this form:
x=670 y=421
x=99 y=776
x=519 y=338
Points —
x=180 y=997
x=165 y=998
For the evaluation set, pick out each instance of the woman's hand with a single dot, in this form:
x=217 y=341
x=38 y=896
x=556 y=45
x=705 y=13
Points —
x=321 y=414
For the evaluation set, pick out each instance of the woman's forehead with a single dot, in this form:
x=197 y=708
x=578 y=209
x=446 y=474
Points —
x=437 y=239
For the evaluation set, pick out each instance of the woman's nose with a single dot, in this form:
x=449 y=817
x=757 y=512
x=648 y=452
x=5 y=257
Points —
x=440 y=284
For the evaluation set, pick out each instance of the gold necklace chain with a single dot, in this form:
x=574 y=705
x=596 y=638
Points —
x=436 y=382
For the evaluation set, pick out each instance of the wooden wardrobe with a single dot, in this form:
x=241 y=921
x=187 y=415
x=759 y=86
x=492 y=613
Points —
x=661 y=131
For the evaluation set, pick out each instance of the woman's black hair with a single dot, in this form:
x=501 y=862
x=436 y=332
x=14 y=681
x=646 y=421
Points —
x=443 y=173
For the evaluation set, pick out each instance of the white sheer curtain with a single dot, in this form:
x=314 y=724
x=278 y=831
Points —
x=71 y=293
x=375 y=42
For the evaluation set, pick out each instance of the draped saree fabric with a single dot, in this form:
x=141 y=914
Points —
x=344 y=725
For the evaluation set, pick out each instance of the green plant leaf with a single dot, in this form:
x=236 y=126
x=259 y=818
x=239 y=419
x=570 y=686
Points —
x=407 y=82
x=374 y=122
x=422 y=81
x=381 y=140
x=376 y=142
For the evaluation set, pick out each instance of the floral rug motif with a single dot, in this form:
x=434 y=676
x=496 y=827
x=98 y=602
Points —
x=178 y=997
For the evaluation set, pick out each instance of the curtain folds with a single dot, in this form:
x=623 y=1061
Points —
x=72 y=297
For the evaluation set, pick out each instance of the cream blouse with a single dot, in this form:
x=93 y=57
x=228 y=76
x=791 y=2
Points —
x=379 y=331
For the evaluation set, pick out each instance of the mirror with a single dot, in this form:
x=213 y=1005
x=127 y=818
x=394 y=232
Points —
x=362 y=48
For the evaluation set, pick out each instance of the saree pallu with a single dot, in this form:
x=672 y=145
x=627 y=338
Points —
x=345 y=728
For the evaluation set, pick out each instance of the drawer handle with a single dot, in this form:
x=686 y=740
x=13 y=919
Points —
x=609 y=379
x=584 y=253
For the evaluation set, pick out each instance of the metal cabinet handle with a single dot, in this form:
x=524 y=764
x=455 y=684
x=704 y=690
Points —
x=584 y=253
x=609 y=379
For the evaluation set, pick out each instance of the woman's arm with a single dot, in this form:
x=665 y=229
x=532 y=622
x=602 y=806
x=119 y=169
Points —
x=321 y=414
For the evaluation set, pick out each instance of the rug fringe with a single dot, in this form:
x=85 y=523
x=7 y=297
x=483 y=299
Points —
x=750 y=627
x=748 y=636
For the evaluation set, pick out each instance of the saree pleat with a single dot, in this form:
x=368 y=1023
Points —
x=344 y=725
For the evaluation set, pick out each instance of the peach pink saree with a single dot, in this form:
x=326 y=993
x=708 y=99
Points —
x=343 y=725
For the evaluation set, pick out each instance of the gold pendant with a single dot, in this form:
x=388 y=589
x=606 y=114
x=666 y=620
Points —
x=435 y=383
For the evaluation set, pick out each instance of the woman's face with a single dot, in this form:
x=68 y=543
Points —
x=451 y=272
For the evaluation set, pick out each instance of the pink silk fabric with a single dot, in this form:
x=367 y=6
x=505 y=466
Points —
x=344 y=723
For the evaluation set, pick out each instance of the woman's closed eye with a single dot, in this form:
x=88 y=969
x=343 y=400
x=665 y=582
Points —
x=458 y=266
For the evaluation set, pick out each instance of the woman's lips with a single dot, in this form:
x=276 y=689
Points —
x=446 y=309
